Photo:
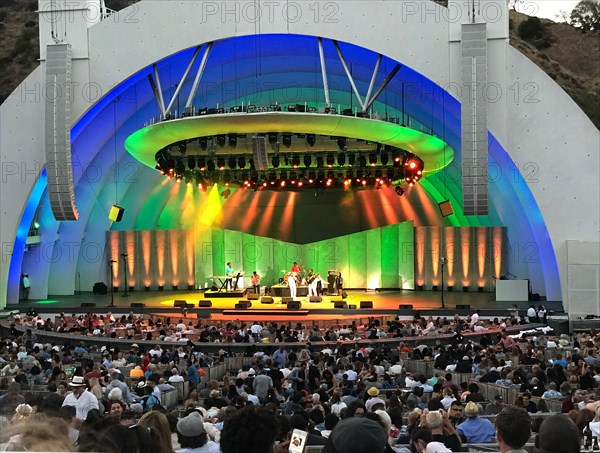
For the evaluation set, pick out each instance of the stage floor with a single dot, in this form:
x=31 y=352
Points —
x=384 y=302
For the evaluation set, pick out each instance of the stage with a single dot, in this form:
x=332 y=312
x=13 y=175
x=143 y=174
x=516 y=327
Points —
x=385 y=303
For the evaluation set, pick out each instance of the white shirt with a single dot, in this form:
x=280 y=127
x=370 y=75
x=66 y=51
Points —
x=474 y=318
x=83 y=404
x=209 y=447
x=176 y=378
x=351 y=375
x=531 y=312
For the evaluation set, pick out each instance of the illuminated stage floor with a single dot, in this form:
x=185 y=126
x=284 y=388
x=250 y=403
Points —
x=384 y=303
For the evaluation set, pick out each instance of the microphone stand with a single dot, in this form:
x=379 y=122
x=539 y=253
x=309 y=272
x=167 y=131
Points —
x=124 y=256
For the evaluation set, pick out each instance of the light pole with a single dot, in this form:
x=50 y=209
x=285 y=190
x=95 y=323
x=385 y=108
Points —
x=443 y=262
x=124 y=256
x=112 y=285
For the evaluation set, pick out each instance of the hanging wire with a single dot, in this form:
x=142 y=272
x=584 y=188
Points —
x=116 y=169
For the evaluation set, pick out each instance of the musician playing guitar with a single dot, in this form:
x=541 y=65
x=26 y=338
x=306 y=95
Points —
x=312 y=279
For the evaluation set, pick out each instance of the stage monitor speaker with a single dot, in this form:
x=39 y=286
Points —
x=137 y=305
x=179 y=303
x=446 y=208
x=253 y=296
x=189 y=305
x=245 y=302
x=286 y=300
x=116 y=213
x=100 y=288
x=203 y=303
x=342 y=305
x=315 y=298
x=351 y=306
x=266 y=300
x=405 y=307
x=214 y=288
x=243 y=305
x=463 y=307
x=88 y=304
x=294 y=305
x=366 y=304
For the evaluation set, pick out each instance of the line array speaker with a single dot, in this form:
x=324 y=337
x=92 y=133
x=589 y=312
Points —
x=266 y=300
x=203 y=303
x=179 y=303
x=315 y=298
x=366 y=304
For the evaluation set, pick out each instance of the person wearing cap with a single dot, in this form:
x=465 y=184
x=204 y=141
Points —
x=192 y=436
x=374 y=399
x=514 y=429
x=476 y=430
x=79 y=397
x=357 y=435
x=495 y=406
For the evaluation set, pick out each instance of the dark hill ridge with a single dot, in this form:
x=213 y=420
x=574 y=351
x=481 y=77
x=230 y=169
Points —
x=572 y=58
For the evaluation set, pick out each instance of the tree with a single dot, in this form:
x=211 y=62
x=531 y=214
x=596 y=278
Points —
x=586 y=16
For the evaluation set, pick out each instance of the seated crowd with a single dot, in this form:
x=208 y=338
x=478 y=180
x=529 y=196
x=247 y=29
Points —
x=347 y=398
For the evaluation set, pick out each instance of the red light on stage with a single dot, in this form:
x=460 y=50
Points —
x=412 y=165
x=282 y=183
x=397 y=159
x=300 y=183
x=410 y=184
x=310 y=181
x=419 y=172
x=346 y=182
x=264 y=184
x=364 y=182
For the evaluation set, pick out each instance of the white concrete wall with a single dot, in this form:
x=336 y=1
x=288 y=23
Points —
x=423 y=38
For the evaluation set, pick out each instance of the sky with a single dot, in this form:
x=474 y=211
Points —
x=546 y=8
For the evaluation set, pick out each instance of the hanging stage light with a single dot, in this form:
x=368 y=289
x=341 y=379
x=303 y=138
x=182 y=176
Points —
x=202 y=163
x=330 y=160
x=275 y=161
x=362 y=161
x=384 y=158
x=232 y=162
x=232 y=140
x=221 y=140
x=342 y=142
x=221 y=163
x=373 y=159
x=179 y=167
x=203 y=143
x=182 y=147
x=295 y=161
x=399 y=191
x=307 y=160
x=241 y=162
x=191 y=162
x=311 y=139
x=286 y=139
x=352 y=159
x=341 y=159
x=272 y=137
x=319 y=161
x=210 y=165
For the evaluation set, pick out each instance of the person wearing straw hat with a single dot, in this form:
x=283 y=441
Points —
x=80 y=398
x=374 y=399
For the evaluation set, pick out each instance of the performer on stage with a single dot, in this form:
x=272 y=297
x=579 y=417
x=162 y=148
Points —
x=255 y=280
x=229 y=275
x=312 y=279
x=339 y=283
x=292 y=285
x=296 y=268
